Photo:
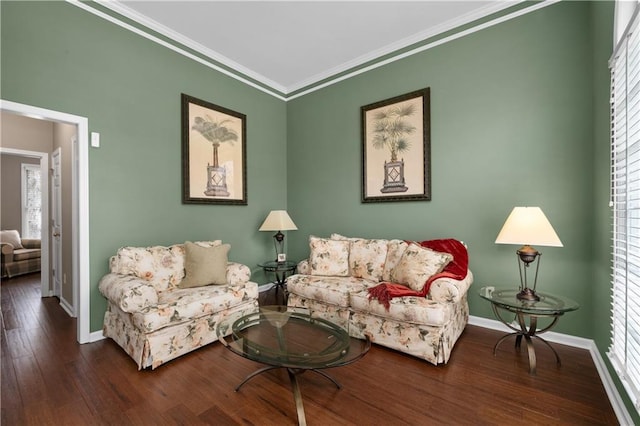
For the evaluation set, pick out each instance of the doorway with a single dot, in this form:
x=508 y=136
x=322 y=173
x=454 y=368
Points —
x=43 y=159
x=80 y=210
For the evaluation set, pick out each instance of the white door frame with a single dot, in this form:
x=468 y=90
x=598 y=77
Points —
x=44 y=189
x=80 y=211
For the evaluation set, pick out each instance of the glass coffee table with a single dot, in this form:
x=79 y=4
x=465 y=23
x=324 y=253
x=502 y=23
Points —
x=293 y=340
x=549 y=306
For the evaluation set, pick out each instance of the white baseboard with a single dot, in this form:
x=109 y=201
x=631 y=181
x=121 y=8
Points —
x=96 y=336
x=578 y=342
x=68 y=308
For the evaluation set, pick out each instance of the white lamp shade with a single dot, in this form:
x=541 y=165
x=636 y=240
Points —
x=528 y=225
x=278 y=220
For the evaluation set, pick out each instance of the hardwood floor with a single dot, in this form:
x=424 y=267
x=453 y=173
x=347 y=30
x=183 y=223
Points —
x=47 y=378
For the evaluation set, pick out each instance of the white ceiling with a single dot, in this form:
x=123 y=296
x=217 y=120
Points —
x=288 y=45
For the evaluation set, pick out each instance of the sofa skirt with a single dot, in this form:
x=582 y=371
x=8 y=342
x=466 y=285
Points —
x=431 y=343
x=21 y=267
x=160 y=346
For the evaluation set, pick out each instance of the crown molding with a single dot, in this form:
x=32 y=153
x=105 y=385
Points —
x=459 y=27
x=404 y=43
x=127 y=12
x=206 y=61
x=428 y=45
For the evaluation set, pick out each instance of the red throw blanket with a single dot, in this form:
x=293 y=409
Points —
x=456 y=269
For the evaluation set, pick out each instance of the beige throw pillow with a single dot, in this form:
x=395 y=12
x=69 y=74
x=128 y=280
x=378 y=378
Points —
x=417 y=265
x=12 y=237
x=204 y=265
x=328 y=257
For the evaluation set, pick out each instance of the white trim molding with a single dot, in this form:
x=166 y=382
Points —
x=211 y=63
x=80 y=215
x=577 y=342
x=216 y=61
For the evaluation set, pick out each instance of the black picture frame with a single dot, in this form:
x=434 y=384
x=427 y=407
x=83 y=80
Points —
x=214 y=153
x=396 y=148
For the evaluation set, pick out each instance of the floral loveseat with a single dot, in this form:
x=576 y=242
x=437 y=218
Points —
x=336 y=283
x=166 y=301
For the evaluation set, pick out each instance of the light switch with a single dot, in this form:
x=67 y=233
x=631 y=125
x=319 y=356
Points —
x=95 y=139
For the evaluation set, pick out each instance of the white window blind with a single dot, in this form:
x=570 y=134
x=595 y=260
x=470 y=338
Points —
x=31 y=201
x=624 y=351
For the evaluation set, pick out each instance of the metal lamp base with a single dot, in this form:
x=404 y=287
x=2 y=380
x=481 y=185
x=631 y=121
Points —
x=528 y=295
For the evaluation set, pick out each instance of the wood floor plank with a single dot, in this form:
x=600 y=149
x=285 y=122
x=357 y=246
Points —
x=48 y=378
x=11 y=407
x=30 y=381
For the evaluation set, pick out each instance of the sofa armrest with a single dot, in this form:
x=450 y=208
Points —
x=7 y=252
x=450 y=290
x=128 y=292
x=237 y=273
x=31 y=243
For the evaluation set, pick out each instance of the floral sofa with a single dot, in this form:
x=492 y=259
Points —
x=336 y=284
x=155 y=316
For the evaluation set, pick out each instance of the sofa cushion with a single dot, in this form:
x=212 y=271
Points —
x=367 y=258
x=395 y=250
x=31 y=243
x=332 y=290
x=415 y=310
x=11 y=237
x=329 y=257
x=162 y=267
x=180 y=305
x=341 y=237
x=24 y=254
x=417 y=265
x=204 y=265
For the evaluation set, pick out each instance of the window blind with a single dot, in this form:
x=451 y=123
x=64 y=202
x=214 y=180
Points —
x=31 y=201
x=624 y=351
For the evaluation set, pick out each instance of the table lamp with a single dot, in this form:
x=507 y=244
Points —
x=278 y=220
x=528 y=226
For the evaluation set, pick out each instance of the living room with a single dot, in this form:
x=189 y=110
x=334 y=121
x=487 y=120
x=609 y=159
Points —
x=519 y=116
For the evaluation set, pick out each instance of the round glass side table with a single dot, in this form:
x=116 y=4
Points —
x=281 y=271
x=527 y=313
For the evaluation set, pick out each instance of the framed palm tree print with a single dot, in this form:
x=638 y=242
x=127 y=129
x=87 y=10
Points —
x=214 y=160
x=396 y=149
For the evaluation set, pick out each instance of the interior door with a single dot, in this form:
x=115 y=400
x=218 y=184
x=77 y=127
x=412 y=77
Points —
x=56 y=222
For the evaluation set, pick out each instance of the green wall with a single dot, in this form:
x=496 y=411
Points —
x=60 y=57
x=519 y=115
x=511 y=114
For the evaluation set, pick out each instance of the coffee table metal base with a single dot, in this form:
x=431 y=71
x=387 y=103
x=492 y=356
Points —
x=278 y=337
x=295 y=386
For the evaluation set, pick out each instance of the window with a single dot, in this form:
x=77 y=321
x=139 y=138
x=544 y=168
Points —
x=31 y=201
x=624 y=351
